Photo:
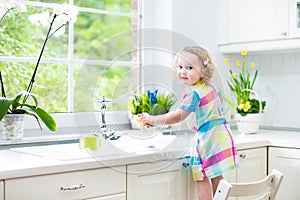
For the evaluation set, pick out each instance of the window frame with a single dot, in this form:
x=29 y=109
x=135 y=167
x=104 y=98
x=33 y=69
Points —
x=66 y=120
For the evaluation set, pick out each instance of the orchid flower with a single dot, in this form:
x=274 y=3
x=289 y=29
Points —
x=7 y=5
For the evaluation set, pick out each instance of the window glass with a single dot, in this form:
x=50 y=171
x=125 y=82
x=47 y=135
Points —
x=16 y=77
x=50 y=86
x=21 y=38
x=92 y=82
x=53 y=1
x=112 y=5
x=102 y=37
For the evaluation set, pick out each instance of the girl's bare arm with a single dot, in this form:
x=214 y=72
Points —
x=169 y=118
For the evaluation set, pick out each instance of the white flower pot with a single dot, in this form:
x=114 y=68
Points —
x=11 y=127
x=248 y=124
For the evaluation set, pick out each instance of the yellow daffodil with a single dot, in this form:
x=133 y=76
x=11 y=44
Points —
x=238 y=63
x=245 y=107
x=252 y=65
x=244 y=52
x=233 y=75
x=226 y=60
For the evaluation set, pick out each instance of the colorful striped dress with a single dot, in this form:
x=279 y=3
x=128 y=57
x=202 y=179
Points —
x=213 y=151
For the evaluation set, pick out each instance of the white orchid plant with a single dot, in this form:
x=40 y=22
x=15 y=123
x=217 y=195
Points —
x=8 y=5
x=61 y=15
x=56 y=21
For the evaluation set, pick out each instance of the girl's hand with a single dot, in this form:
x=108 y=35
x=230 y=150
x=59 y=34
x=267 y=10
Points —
x=144 y=119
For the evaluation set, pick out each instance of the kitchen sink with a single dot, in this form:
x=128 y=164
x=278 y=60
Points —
x=126 y=143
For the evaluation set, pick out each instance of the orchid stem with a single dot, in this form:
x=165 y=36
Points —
x=2 y=86
x=55 y=31
x=5 y=14
x=38 y=62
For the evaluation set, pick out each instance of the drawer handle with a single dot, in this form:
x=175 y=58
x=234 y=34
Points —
x=73 y=187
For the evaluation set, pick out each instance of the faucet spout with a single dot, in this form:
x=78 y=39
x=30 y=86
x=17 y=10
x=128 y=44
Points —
x=107 y=133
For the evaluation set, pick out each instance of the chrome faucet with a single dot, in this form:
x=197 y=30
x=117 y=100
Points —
x=108 y=133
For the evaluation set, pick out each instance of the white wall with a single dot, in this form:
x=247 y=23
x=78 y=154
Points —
x=279 y=73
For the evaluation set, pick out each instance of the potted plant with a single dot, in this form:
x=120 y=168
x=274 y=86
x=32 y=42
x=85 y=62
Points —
x=13 y=109
x=248 y=104
x=154 y=103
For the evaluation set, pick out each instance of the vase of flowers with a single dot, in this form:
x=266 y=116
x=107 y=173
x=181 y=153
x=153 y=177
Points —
x=247 y=104
x=154 y=103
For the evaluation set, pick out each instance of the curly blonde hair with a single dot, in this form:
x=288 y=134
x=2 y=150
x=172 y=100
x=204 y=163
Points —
x=203 y=57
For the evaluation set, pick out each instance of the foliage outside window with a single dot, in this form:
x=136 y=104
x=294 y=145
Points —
x=91 y=59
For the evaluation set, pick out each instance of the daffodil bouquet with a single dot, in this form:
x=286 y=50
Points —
x=242 y=84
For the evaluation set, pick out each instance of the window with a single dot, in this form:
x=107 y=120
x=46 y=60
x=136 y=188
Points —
x=94 y=57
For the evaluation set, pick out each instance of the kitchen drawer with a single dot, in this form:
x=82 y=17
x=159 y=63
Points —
x=72 y=185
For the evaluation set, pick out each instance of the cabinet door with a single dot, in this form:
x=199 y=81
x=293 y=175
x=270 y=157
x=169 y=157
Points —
x=163 y=180
x=111 y=197
x=1 y=190
x=294 y=14
x=257 y=20
x=288 y=162
x=253 y=166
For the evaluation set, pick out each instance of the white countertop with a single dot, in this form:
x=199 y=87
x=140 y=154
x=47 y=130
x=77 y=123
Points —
x=40 y=160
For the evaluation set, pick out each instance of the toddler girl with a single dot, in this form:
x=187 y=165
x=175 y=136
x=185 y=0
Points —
x=213 y=150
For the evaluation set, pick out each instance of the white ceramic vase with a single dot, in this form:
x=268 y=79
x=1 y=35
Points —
x=11 y=127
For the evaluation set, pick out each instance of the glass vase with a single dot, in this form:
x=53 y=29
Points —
x=11 y=127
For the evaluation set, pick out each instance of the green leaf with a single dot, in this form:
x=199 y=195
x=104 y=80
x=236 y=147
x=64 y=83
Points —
x=254 y=78
x=157 y=109
x=5 y=103
x=44 y=116
x=16 y=100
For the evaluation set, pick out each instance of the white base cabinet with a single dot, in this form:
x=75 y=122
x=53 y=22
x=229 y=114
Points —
x=1 y=190
x=163 y=180
x=100 y=184
x=112 y=197
x=253 y=167
x=286 y=160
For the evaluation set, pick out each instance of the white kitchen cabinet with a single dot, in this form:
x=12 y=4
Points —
x=294 y=15
x=257 y=20
x=1 y=190
x=286 y=160
x=253 y=164
x=258 y=25
x=253 y=167
x=121 y=196
x=164 y=180
x=107 y=183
